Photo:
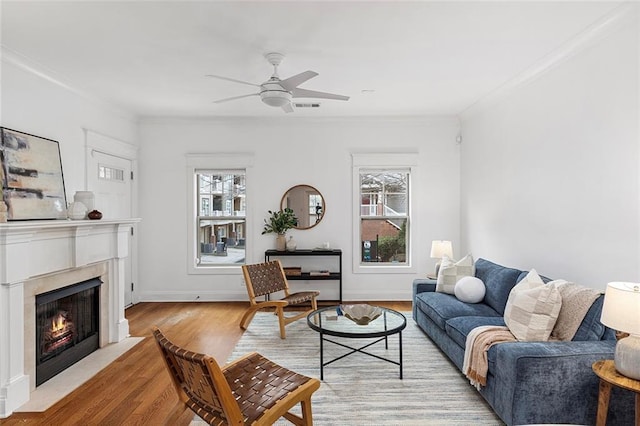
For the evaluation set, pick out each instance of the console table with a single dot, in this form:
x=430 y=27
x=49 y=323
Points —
x=333 y=275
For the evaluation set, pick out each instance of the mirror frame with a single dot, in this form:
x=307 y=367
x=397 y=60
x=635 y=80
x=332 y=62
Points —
x=310 y=189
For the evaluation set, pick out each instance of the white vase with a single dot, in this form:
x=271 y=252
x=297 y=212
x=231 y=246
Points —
x=291 y=244
x=281 y=242
x=85 y=197
x=77 y=211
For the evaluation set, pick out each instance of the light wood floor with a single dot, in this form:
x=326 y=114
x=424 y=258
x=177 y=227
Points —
x=136 y=389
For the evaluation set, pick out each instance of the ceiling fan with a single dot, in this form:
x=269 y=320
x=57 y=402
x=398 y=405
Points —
x=278 y=93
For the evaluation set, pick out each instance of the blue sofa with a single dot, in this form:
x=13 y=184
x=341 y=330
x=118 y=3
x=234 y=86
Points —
x=527 y=382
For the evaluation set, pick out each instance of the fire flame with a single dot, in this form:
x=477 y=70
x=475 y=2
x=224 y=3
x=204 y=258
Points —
x=58 y=323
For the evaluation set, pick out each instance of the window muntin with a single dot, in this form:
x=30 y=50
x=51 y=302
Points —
x=384 y=216
x=221 y=221
x=315 y=208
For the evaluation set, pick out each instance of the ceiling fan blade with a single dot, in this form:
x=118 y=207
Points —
x=287 y=107
x=296 y=80
x=304 y=93
x=232 y=79
x=234 y=97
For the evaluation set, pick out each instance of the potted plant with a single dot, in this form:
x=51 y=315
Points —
x=279 y=223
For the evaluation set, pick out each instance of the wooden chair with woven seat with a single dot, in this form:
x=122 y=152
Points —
x=251 y=390
x=264 y=279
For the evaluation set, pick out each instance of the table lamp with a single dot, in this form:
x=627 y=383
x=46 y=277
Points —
x=440 y=249
x=621 y=312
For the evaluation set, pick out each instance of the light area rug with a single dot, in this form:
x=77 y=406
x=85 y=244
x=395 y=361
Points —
x=362 y=390
x=61 y=385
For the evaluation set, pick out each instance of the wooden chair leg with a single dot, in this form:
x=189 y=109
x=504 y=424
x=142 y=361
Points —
x=282 y=322
x=307 y=417
x=247 y=317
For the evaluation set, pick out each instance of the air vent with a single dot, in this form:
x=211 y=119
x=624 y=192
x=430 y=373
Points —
x=307 y=105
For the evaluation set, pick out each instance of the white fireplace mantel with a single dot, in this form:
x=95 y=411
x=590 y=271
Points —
x=37 y=256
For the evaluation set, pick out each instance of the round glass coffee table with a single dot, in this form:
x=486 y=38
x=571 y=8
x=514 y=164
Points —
x=330 y=321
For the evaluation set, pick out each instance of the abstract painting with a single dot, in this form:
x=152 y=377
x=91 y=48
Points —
x=31 y=174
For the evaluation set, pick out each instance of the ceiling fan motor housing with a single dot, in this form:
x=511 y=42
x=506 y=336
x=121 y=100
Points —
x=274 y=95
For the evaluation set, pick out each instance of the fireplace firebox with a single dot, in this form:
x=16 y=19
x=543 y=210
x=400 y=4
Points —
x=67 y=327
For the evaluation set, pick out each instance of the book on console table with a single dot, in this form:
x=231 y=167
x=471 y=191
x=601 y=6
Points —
x=319 y=273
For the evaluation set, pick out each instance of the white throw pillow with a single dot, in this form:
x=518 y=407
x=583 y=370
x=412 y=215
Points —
x=451 y=271
x=470 y=290
x=532 y=308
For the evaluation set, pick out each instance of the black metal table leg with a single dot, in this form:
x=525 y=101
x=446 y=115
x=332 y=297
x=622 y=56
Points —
x=321 y=356
x=400 y=343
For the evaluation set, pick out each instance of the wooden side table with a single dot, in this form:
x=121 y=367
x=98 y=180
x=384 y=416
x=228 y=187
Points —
x=606 y=370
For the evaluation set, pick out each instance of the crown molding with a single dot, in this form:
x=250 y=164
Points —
x=615 y=19
x=33 y=67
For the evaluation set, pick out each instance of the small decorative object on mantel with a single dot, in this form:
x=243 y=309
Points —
x=94 y=215
x=77 y=211
x=85 y=197
x=291 y=244
x=279 y=223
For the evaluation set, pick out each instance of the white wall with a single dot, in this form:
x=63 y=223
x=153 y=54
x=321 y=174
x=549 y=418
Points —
x=549 y=174
x=289 y=151
x=36 y=105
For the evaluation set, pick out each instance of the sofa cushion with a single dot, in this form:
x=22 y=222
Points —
x=532 y=308
x=498 y=281
x=459 y=327
x=440 y=307
x=451 y=271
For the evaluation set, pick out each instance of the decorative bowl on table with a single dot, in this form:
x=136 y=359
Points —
x=361 y=314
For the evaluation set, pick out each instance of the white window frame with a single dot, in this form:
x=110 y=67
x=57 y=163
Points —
x=215 y=161
x=406 y=161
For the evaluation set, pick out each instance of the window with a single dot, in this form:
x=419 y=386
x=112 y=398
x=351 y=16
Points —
x=315 y=208
x=382 y=212
x=384 y=215
x=221 y=222
x=217 y=201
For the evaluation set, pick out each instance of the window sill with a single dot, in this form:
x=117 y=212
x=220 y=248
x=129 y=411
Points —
x=384 y=269
x=215 y=270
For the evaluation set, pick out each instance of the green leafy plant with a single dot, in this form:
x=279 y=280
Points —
x=280 y=222
x=393 y=248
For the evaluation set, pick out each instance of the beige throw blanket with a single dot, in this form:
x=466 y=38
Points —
x=478 y=342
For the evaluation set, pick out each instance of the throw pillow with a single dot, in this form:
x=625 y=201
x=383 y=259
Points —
x=451 y=271
x=469 y=290
x=576 y=302
x=532 y=308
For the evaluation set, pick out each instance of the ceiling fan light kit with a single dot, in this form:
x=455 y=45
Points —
x=274 y=96
x=278 y=93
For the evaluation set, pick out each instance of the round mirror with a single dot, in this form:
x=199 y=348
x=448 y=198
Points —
x=307 y=204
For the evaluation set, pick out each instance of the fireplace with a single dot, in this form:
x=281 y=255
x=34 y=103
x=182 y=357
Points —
x=38 y=257
x=67 y=327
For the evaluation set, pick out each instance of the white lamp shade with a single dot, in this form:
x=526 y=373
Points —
x=621 y=309
x=440 y=249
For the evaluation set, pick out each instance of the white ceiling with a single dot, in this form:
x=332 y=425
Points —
x=421 y=58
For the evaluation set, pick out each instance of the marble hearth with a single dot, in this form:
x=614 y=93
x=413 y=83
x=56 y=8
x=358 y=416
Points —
x=40 y=256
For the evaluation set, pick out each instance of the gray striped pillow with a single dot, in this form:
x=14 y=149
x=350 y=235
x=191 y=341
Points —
x=532 y=308
x=451 y=271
